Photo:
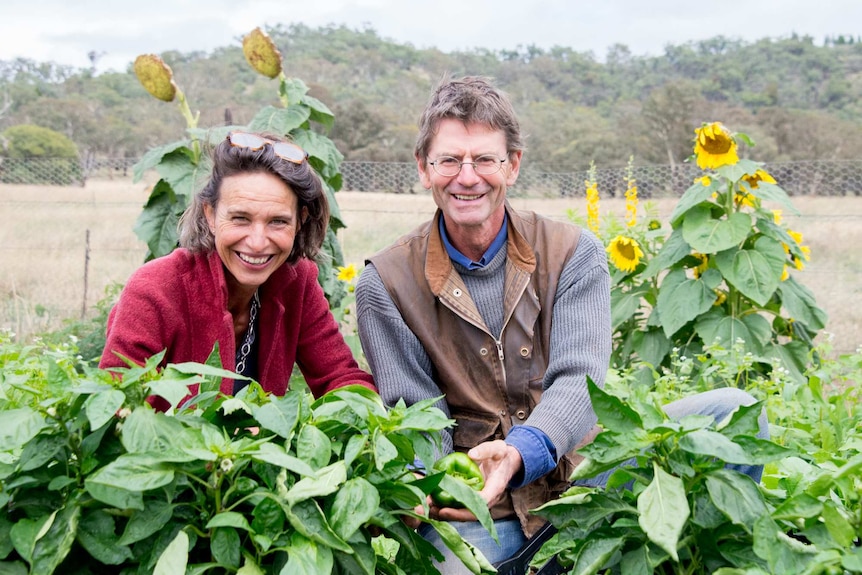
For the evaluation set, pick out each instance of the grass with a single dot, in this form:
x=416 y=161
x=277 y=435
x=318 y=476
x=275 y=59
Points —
x=43 y=246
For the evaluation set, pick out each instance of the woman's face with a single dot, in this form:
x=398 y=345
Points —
x=254 y=224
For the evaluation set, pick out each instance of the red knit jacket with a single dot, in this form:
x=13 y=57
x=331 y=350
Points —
x=179 y=303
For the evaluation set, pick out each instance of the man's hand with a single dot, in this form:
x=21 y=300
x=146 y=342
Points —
x=499 y=462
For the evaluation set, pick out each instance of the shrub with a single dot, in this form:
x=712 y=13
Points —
x=37 y=155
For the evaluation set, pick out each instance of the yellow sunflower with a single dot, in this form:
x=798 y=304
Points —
x=714 y=146
x=625 y=253
x=701 y=267
x=703 y=180
x=759 y=176
x=346 y=273
x=744 y=198
x=777 y=216
x=720 y=297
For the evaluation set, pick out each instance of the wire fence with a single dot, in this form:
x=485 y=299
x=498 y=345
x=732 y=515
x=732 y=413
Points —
x=801 y=178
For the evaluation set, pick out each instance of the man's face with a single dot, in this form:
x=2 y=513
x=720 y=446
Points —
x=472 y=204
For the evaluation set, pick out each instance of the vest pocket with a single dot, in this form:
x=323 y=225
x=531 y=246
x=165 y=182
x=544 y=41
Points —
x=473 y=430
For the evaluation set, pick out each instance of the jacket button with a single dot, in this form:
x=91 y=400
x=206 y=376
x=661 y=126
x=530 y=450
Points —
x=457 y=292
x=525 y=352
x=483 y=351
x=521 y=414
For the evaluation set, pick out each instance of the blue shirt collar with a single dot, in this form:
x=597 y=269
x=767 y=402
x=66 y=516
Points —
x=460 y=258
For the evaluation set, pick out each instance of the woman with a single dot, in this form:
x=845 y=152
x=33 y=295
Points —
x=243 y=278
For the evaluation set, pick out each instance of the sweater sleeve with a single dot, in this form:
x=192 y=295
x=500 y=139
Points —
x=401 y=367
x=580 y=347
x=323 y=356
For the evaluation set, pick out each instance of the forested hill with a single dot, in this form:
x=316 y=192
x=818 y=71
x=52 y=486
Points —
x=797 y=99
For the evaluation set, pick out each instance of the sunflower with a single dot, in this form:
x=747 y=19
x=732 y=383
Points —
x=759 y=176
x=592 y=206
x=156 y=77
x=703 y=180
x=720 y=297
x=346 y=273
x=777 y=216
x=714 y=146
x=744 y=198
x=625 y=253
x=261 y=53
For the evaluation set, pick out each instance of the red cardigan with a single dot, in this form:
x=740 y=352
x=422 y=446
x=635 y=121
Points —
x=179 y=303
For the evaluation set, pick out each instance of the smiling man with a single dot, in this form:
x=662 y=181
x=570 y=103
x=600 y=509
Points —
x=504 y=313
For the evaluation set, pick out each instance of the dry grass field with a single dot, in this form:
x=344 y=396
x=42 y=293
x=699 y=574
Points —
x=44 y=255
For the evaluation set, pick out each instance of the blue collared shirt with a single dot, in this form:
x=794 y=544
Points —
x=537 y=451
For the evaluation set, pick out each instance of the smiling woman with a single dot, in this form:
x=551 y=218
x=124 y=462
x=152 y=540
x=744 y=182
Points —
x=243 y=281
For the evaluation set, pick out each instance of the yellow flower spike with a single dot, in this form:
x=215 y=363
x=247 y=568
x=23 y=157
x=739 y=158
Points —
x=798 y=263
x=705 y=181
x=797 y=237
x=785 y=274
x=592 y=200
x=261 y=53
x=156 y=77
x=625 y=253
x=720 y=297
x=346 y=273
x=714 y=146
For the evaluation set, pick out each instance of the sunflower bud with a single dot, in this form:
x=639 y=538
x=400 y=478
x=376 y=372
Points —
x=261 y=53
x=156 y=77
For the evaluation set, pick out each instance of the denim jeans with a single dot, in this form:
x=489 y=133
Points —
x=718 y=403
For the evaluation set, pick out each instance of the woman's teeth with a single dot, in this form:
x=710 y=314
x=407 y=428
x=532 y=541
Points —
x=253 y=261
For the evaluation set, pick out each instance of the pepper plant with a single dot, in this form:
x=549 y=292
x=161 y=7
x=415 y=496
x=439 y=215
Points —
x=721 y=275
x=93 y=480
x=183 y=167
x=671 y=505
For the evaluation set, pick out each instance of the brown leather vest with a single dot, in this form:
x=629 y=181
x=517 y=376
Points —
x=490 y=384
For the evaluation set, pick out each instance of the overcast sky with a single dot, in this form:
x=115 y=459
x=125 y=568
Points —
x=65 y=31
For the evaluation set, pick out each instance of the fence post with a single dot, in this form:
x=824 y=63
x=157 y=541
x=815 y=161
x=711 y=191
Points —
x=86 y=273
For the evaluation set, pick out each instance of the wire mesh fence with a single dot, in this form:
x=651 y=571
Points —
x=801 y=178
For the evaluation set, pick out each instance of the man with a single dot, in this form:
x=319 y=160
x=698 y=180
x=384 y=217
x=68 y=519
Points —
x=506 y=313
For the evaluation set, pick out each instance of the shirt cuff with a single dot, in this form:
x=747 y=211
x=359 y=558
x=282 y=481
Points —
x=537 y=453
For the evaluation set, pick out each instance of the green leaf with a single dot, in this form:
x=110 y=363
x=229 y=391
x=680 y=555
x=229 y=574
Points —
x=280 y=415
x=18 y=426
x=736 y=496
x=742 y=167
x=784 y=554
x=52 y=546
x=175 y=557
x=583 y=507
x=307 y=518
x=384 y=450
x=471 y=557
x=157 y=223
x=672 y=251
x=613 y=414
x=471 y=499
x=325 y=481
x=96 y=535
x=319 y=111
x=663 y=510
x=802 y=505
x=625 y=303
x=26 y=532
x=708 y=235
x=681 y=299
x=725 y=330
x=839 y=527
x=595 y=553
x=800 y=304
x=651 y=345
x=354 y=505
x=281 y=121
x=229 y=519
x=164 y=438
x=121 y=482
x=774 y=193
x=713 y=444
x=313 y=446
x=755 y=272
x=743 y=421
x=185 y=177
x=43 y=449
x=278 y=456
x=307 y=557
x=102 y=406
x=225 y=547
x=694 y=196
x=152 y=518
x=153 y=157
x=636 y=562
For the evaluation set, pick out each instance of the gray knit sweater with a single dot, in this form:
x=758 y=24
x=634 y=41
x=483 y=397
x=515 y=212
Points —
x=580 y=340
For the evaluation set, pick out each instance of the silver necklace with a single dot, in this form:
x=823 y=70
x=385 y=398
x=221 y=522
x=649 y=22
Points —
x=245 y=348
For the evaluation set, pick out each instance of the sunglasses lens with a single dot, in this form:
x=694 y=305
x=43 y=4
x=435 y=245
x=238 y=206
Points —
x=245 y=140
x=289 y=152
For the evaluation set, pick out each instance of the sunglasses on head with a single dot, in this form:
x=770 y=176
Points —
x=284 y=150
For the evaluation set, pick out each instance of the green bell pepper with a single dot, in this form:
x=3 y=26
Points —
x=460 y=466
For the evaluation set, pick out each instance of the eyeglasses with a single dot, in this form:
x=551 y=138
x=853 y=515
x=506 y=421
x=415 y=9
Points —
x=447 y=166
x=284 y=150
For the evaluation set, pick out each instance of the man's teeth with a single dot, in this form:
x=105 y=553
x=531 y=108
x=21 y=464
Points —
x=253 y=261
x=466 y=198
